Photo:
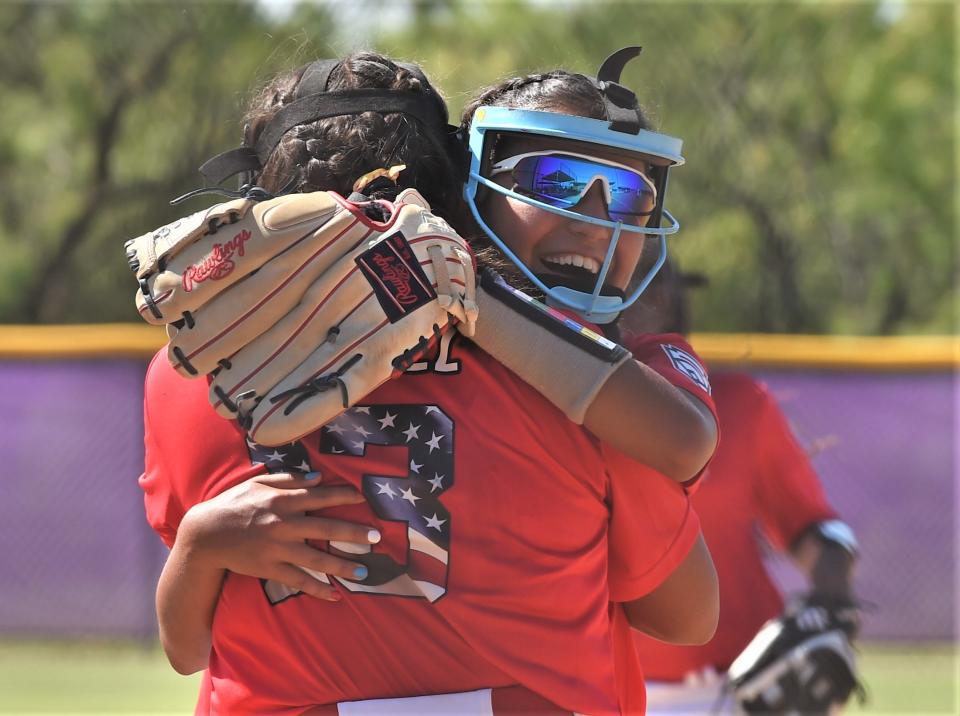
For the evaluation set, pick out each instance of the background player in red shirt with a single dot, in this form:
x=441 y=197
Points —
x=501 y=538
x=759 y=479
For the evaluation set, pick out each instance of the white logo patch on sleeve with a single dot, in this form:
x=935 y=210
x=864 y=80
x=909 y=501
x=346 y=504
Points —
x=688 y=365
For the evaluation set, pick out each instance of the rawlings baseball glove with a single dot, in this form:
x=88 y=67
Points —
x=802 y=662
x=300 y=305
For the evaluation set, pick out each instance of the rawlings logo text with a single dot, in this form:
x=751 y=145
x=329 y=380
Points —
x=397 y=276
x=218 y=264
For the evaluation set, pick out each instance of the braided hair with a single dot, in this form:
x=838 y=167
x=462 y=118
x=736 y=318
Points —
x=332 y=153
x=555 y=91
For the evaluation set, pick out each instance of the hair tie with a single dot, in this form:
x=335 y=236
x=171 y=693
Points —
x=392 y=174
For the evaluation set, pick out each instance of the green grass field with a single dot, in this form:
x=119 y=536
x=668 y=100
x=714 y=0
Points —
x=84 y=678
x=910 y=679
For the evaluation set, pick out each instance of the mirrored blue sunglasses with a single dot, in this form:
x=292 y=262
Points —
x=562 y=179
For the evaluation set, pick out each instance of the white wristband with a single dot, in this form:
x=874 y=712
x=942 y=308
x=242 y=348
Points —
x=565 y=361
x=839 y=533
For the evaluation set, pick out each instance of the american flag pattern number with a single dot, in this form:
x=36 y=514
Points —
x=414 y=499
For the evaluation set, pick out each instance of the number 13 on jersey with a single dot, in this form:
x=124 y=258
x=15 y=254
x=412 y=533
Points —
x=413 y=499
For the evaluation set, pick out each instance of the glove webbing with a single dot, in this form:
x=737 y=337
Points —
x=445 y=293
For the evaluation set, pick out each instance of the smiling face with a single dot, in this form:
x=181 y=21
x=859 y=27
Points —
x=551 y=244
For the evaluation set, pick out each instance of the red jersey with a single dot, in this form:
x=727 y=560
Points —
x=671 y=356
x=501 y=547
x=760 y=477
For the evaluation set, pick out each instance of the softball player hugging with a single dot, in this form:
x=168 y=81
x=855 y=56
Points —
x=477 y=533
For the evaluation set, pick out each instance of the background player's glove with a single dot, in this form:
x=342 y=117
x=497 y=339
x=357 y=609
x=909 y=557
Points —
x=301 y=305
x=802 y=662
x=564 y=360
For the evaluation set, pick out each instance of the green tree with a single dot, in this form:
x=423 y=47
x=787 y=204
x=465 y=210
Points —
x=818 y=193
x=820 y=185
x=108 y=110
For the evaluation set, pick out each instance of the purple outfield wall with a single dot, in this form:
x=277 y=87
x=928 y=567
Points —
x=77 y=557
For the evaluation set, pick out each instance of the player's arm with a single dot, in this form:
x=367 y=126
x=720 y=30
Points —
x=827 y=553
x=595 y=382
x=644 y=416
x=804 y=660
x=187 y=595
x=257 y=528
x=792 y=506
x=685 y=608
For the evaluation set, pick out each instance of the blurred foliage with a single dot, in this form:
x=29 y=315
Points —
x=819 y=193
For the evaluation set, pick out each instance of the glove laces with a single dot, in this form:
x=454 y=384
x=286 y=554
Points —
x=318 y=384
x=247 y=191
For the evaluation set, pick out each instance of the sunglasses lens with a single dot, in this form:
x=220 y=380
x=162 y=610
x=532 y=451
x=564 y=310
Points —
x=562 y=181
x=631 y=198
x=553 y=179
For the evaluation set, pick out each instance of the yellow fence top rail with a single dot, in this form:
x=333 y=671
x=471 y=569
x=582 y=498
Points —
x=835 y=352
x=727 y=350
x=99 y=340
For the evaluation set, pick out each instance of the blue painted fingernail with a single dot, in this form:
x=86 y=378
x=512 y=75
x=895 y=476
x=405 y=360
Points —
x=313 y=475
x=360 y=572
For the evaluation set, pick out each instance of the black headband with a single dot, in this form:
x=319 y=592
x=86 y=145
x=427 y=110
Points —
x=313 y=102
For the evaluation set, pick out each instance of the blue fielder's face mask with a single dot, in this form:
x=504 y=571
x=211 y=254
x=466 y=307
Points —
x=557 y=180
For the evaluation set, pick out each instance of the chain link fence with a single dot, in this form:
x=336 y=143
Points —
x=78 y=558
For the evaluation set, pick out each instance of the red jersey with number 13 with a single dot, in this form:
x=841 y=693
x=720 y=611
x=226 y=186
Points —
x=500 y=551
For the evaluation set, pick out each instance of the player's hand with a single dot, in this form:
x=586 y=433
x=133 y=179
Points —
x=259 y=528
x=841 y=611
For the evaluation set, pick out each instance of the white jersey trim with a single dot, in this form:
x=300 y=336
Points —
x=467 y=703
